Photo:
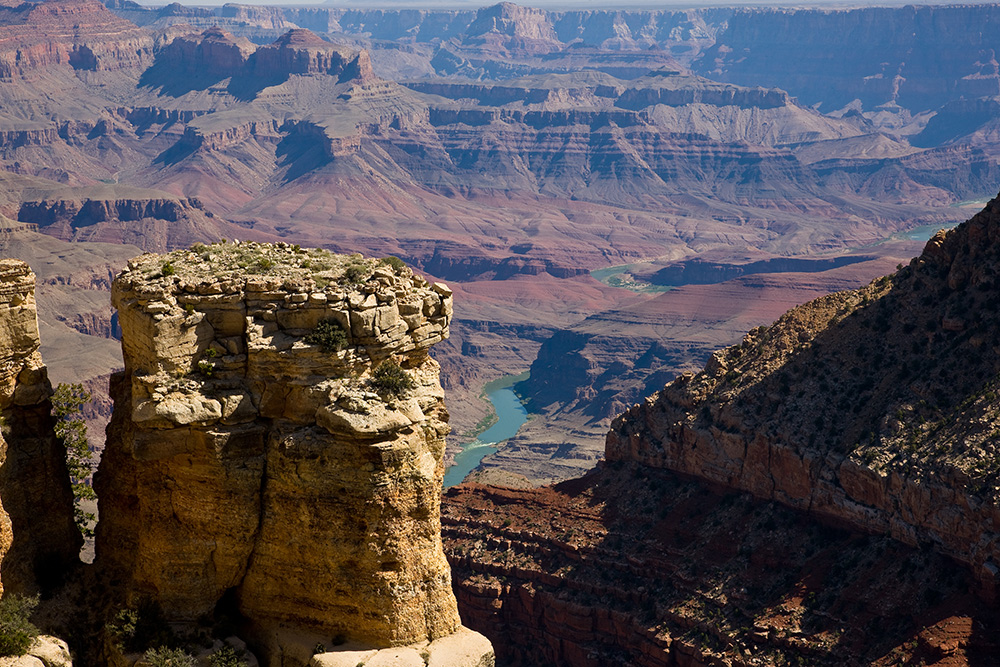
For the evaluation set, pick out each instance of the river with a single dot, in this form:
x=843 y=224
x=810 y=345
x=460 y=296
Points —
x=511 y=415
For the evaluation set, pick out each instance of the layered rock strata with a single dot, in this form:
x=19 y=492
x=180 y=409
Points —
x=303 y=52
x=635 y=566
x=876 y=407
x=253 y=463
x=82 y=34
x=38 y=540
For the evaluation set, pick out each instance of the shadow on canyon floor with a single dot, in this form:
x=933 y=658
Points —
x=629 y=565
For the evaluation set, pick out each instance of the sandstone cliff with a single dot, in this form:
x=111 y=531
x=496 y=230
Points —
x=81 y=34
x=258 y=466
x=39 y=542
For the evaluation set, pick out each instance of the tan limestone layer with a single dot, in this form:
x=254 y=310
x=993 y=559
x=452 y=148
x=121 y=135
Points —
x=38 y=539
x=243 y=460
x=462 y=648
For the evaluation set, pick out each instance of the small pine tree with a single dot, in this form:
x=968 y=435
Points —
x=17 y=633
x=70 y=427
x=330 y=335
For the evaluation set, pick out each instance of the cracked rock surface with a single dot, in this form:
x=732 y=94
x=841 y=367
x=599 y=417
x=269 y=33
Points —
x=251 y=463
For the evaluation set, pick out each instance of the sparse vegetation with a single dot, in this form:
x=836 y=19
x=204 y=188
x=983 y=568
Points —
x=169 y=657
x=71 y=429
x=135 y=630
x=355 y=273
x=395 y=263
x=227 y=656
x=329 y=335
x=167 y=269
x=17 y=632
x=389 y=377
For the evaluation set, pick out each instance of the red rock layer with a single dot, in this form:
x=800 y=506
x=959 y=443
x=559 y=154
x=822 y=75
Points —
x=300 y=51
x=80 y=33
x=635 y=566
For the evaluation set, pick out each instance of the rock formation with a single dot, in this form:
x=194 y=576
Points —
x=276 y=447
x=38 y=540
x=873 y=407
x=82 y=34
x=303 y=52
x=826 y=472
x=213 y=52
x=151 y=220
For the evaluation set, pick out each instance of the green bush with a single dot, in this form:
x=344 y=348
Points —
x=167 y=269
x=390 y=378
x=330 y=335
x=168 y=657
x=17 y=632
x=356 y=273
x=394 y=262
x=227 y=656
x=134 y=631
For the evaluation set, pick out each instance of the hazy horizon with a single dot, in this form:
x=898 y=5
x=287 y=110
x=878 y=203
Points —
x=572 y=4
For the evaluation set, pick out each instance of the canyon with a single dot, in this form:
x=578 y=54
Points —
x=823 y=491
x=507 y=150
x=611 y=196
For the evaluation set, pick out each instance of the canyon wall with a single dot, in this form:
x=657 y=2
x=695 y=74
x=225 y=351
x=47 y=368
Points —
x=82 y=34
x=39 y=541
x=873 y=407
x=916 y=57
x=258 y=464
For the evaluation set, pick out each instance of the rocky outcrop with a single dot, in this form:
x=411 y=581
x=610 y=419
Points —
x=512 y=27
x=256 y=464
x=873 y=407
x=300 y=51
x=151 y=222
x=81 y=34
x=39 y=542
x=214 y=52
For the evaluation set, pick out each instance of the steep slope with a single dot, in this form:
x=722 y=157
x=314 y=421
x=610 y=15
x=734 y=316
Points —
x=874 y=406
x=634 y=566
